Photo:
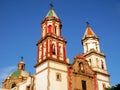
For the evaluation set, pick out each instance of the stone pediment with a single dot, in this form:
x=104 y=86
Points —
x=81 y=66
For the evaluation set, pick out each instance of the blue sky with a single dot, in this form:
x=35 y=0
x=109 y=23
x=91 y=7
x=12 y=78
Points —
x=20 y=30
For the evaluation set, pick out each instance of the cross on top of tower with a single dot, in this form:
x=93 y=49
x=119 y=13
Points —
x=51 y=6
x=22 y=58
x=51 y=12
x=87 y=23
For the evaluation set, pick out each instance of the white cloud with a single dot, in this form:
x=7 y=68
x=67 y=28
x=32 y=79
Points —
x=4 y=72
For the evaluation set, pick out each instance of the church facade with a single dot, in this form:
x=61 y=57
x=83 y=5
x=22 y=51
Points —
x=88 y=70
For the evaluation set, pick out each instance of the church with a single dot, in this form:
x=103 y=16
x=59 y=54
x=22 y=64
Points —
x=88 y=71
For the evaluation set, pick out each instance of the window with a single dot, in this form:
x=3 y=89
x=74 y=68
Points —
x=44 y=47
x=102 y=64
x=60 y=51
x=53 y=48
x=104 y=86
x=13 y=85
x=49 y=28
x=97 y=62
x=89 y=61
x=28 y=88
x=86 y=47
x=81 y=66
x=22 y=67
x=96 y=46
x=55 y=29
x=58 y=77
x=84 y=85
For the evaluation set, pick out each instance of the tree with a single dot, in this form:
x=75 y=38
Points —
x=117 y=87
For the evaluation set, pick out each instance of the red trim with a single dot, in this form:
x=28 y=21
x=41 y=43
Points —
x=89 y=31
x=42 y=30
x=58 y=51
x=59 y=30
x=46 y=29
x=38 y=55
x=42 y=51
x=54 y=47
x=95 y=82
x=50 y=48
x=53 y=28
x=64 y=52
x=49 y=29
x=83 y=67
x=46 y=48
x=69 y=79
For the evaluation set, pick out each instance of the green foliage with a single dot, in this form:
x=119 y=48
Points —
x=117 y=87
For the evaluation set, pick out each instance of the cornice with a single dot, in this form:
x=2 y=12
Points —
x=52 y=59
x=51 y=19
x=52 y=36
x=94 y=52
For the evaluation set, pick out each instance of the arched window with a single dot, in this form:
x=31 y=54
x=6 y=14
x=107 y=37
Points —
x=58 y=77
x=86 y=47
x=81 y=66
x=97 y=62
x=55 y=29
x=96 y=46
x=13 y=85
x=53 y=49
x=22 y=67
x=49 y=28
x=104 y=86
x=102 y=64
x=89 y=61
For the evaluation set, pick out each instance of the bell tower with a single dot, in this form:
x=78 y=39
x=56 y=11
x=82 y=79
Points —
x=51 y=66
x=90 y=40
x=21 y=65
x=95 y=57
x=52 y=45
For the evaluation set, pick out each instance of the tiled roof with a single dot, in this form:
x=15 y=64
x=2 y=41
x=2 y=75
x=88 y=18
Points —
x=80 y=56
x=18 y=73
x=51 y=13
x=89 y=33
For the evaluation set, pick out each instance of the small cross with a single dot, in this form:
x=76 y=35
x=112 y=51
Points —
x=21 y=57
x=51 y=5
x=87 y=23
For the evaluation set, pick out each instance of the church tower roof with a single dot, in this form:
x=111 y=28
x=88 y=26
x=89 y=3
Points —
x=51 y=12
x=89 y=33
x=21 y=70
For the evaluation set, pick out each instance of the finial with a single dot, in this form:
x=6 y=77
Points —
x=22 y=58
x=88 y=24
x=51 y=5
